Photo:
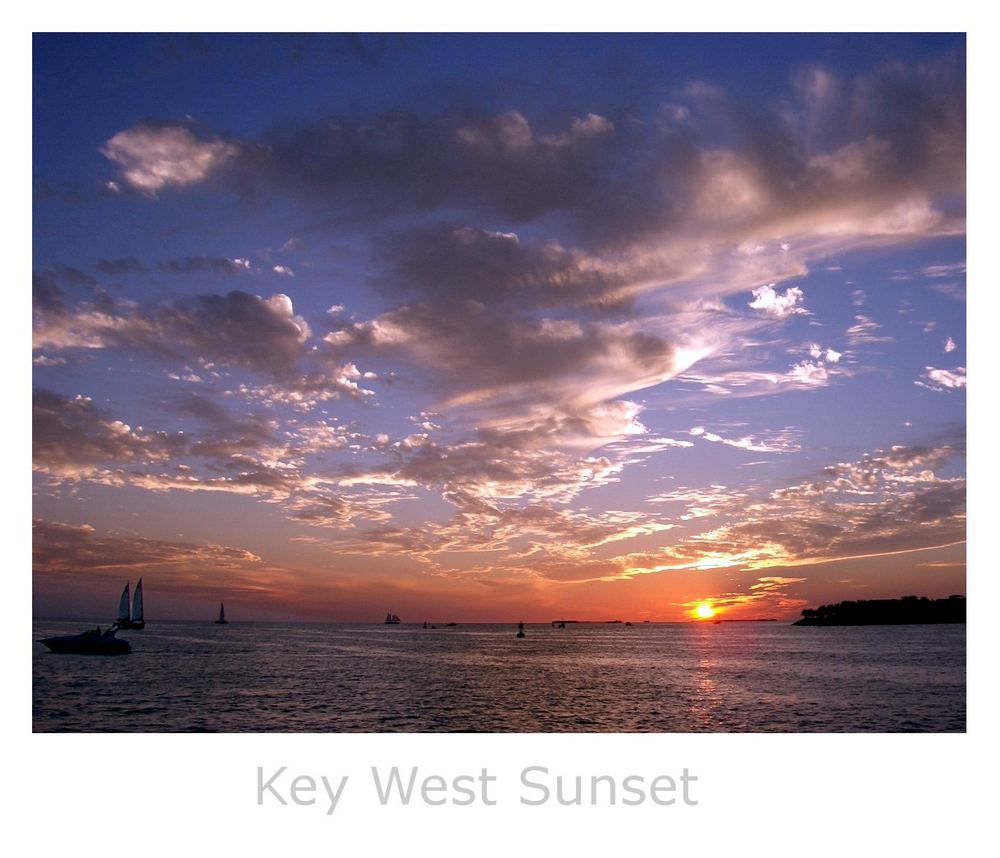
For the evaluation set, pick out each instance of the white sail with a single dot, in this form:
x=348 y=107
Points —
x=123 y=605
x=137 y=602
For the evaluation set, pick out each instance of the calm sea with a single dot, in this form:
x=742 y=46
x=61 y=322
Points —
x=732 y=677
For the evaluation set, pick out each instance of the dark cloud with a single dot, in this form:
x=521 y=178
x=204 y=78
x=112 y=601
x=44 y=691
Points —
x=124 y=265
x=831 y=144
x=237 y=329
x=66 y=548
x=71 y=437
x=559 y=365
x=453 y=263
x=202 y=264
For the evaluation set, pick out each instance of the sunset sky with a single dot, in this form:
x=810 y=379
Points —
x=497 y=327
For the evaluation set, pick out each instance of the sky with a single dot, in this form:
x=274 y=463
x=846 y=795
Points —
x=497 y=327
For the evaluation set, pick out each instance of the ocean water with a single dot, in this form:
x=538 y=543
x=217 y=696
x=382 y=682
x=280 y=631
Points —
x=685 y=677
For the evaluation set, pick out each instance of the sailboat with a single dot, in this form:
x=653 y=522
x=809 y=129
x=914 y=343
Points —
x=133 y=619
x=222 y=621
x=391 y=619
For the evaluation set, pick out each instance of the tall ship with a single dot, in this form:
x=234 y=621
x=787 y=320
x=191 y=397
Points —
x=391 y=619
x=130 y=619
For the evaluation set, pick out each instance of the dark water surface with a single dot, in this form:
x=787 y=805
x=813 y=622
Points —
x=732 y=677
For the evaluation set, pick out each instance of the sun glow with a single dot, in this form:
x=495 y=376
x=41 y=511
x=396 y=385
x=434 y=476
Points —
x=704 y=611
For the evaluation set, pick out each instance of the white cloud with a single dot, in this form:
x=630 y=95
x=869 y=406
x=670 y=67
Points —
x=45 y=360
x=865 y=330
x=949 y=345
x=809 y=374
x=817 y=352
x=782 y=442
x=152 y=158
x=767 y=299
x=942 y=379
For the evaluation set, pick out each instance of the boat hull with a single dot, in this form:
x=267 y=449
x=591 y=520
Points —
x=135 y=625
x=87 y=645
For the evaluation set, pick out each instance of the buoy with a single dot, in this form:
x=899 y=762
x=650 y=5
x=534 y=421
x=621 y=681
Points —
x=520 y=630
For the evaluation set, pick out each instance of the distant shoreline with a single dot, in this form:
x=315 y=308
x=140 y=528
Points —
x=910 y=610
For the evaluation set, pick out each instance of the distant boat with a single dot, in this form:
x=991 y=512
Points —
x=134 y=619
x=90 y=642
x=391 y=619
x=222 y=621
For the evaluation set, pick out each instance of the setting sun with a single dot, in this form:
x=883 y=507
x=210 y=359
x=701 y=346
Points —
x=704 y=611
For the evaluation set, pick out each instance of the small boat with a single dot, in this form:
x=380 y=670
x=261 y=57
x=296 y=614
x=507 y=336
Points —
x=520 y=630
x=133 y=620
x=391 y=619
x=628 y=623
x=452 y=624
x=425 y=624
x=222 y=621
x=90 y=642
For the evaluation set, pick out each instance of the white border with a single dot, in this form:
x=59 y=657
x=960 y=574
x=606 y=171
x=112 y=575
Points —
x=824 y=794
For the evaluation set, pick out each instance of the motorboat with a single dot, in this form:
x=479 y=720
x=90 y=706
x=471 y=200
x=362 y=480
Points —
x=90 y=642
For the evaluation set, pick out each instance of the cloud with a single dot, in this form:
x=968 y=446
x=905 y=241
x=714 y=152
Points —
x=45 y=360
x=949 y=269
x=73 y=549
x=888 y=502
x=210 y=264
x=700 y=502
x=126 y=265
x=940 y=380
x=462 y=263
x=949 y=345
x=817 y=352
x=771 y=303
x=340 y=511
x=71 y=437
x=305 y=392
x=236 y=329
x=521 y=368
x=802 y=376
x=864 y=331
x=783 y=442
x=837 y=166
x=154 y=157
